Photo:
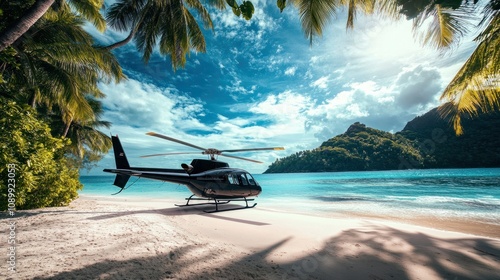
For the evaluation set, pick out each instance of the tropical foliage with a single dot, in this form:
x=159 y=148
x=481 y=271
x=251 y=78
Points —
x=54 y=68
x=425 y=142
x=43 y=176
x=476 y=86
x=479 y=146
x=56 y=64
x=20 y=16
x=151 y=23
x=359 y=148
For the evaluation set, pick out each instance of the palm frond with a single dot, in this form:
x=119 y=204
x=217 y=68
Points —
x=147 y=30
x=195 y=34
x=446 y=25
x=389 y=8
x=476 y=86
x=123 y=14
x=353 y=6
x=315 y=15
x=174 y=39
x=90 y=10
x=219 y=4
x=202 y=12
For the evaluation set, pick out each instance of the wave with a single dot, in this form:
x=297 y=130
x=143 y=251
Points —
x=434 y=202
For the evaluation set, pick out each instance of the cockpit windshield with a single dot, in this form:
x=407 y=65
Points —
x=251 y=179
x=243 y=179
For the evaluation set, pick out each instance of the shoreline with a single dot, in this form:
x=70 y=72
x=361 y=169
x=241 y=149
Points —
x=446 y=223
x=128 y=238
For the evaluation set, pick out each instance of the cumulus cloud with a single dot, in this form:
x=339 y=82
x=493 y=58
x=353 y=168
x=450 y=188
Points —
x=386 y=107
x=137 y=104
x=417 y=86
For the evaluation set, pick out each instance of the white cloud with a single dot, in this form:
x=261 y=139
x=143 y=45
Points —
x=279 y=49
x=418 y=86
x=290 y=71
x=135 y=104
x=284 y=106
x=321 y=83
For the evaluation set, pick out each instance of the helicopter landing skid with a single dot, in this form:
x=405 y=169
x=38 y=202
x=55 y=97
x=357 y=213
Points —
x=217 y=202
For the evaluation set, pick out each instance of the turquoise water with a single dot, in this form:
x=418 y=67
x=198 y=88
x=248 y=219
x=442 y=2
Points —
x=443 y=193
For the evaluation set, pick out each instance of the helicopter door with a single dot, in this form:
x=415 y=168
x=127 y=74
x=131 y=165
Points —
x=240 y=184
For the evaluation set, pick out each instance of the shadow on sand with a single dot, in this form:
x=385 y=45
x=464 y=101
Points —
x=178 y=211
x=378 y=252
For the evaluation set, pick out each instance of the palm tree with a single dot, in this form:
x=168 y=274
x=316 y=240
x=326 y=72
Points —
x=57 y=68
x=476 y=87
x=86 y=139
x=449 y=21
x=315 y=14
x=170 y=24
x=59 y=63
x=89 y=9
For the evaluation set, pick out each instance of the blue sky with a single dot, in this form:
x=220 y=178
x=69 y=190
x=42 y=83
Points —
x=261 y=84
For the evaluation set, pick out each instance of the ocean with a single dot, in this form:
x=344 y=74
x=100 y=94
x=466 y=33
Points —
x=440 y=193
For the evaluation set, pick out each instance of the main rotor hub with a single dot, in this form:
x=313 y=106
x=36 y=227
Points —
x=211 y=151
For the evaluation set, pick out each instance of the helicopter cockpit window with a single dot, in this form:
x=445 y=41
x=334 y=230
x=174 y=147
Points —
x=232 y=179
x=250 y=179
x=243 y=179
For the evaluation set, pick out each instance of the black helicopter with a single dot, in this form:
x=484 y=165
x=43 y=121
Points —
x=207 y=179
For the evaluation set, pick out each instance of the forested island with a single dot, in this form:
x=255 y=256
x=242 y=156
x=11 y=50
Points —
x=428 y=141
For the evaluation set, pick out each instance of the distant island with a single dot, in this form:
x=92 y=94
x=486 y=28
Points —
x=428 y=141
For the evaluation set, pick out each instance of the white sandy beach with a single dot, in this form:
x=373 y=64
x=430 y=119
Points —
x=124 y=238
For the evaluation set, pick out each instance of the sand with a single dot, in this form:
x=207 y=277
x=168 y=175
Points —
x=129 y=238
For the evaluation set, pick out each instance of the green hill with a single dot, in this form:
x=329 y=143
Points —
x=479 y=146
x=426 y=142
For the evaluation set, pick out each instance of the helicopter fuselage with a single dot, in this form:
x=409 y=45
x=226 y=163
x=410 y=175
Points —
x=210 y=180
x=223 y=182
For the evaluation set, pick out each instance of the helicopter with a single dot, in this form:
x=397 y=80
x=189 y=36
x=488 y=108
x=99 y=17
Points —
x=207 y=179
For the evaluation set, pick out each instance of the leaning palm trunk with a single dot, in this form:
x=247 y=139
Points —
x=16 y=30
x=122 y=42
x=88 y=9
x=66 y=128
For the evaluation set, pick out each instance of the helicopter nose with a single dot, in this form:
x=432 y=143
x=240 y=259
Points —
x=256 y=190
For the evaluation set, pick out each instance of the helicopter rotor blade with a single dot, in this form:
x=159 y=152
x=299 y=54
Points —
x=168 y=154
x=254 y=149
x=175 y=140
x=247 y=159
x=212 y=152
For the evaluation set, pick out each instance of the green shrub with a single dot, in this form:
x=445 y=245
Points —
x=43 y=175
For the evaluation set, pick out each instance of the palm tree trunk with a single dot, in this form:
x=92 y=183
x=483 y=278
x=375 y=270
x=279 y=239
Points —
x=32 y=101
x=18 y=28
x=66 y=129
x=122 y=42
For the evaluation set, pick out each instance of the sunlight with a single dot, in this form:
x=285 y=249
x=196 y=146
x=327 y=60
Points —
x=393 y=41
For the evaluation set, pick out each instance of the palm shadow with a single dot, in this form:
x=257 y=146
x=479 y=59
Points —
x=388 y=253
x=380 y=252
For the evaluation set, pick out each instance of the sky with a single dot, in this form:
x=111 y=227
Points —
x=261 y=84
